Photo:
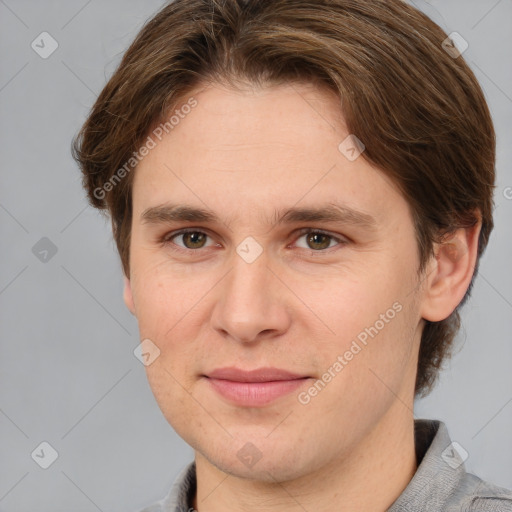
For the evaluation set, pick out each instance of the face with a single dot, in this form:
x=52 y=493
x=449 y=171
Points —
x=298 y=261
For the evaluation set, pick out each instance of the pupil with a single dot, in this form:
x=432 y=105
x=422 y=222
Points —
x=318 y=238
x=196 y=239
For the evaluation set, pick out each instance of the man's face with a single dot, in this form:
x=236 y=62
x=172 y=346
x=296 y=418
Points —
x=332 y=300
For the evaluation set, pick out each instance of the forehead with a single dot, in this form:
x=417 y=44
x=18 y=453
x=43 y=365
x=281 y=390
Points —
x=256 y=150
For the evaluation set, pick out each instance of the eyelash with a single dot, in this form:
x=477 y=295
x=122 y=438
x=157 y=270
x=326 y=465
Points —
x=167 y=240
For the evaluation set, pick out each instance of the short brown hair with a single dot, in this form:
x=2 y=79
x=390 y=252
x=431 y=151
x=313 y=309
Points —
x=419 y=110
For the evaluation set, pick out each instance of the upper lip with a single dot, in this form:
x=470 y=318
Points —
x=258 y=375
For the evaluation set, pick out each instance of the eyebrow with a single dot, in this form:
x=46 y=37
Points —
x=168 y=213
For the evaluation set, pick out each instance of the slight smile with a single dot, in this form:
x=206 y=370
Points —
x=254 y=388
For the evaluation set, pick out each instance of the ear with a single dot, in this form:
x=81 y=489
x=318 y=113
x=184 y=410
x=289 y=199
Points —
x=449 y=275
x=128 y=296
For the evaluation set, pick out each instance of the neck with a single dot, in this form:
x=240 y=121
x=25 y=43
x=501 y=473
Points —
x=369 y=478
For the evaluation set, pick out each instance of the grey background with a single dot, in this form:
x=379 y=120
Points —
x=68 y=375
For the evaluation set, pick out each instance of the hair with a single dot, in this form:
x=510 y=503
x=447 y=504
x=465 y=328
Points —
x=419 y=111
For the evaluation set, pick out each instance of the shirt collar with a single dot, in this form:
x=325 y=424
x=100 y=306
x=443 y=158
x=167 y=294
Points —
x=439 y=473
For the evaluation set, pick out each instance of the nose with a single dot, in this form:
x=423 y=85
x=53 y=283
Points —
x=251 y=303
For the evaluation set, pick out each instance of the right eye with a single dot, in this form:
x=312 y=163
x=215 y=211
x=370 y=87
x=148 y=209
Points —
x=191 y=239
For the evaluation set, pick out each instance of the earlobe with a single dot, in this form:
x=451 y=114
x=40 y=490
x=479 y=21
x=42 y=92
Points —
x=128 y=296
x=450 y=274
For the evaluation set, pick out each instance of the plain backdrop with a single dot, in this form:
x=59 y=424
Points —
x=68 y=375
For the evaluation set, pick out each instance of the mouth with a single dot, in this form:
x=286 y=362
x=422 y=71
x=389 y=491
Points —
x=254 y=388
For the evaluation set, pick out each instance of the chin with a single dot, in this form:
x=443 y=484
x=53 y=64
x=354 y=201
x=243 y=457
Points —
x=268 y=471
x=263 y=459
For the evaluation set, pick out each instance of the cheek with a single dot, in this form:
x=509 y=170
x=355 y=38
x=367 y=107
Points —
x=162 y=309
x=167 y=316
x=360 y=381
x=172 y=391
x=346 y=305
x=367 y=331
x=161 y=297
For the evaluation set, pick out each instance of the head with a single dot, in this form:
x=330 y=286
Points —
x=242 y=121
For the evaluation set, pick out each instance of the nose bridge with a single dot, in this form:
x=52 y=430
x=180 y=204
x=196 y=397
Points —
x=249 y=272
x=248 y=288
x=249 y=303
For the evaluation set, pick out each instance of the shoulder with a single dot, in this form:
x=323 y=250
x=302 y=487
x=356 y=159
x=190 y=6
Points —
x=180 y=495
x=161 y=506
x=441 y=482
x=475 y=495
x=156 y=507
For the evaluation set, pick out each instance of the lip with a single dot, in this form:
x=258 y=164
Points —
x=254 y=388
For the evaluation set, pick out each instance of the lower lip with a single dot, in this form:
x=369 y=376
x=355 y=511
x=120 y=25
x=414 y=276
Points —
x=254 y=394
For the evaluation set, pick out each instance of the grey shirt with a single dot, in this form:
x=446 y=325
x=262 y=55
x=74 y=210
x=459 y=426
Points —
x=440 y=484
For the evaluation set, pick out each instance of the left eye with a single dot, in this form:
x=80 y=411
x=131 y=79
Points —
x=318 y=241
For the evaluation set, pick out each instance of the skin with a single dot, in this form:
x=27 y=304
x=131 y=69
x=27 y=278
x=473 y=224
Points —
x=245 y=154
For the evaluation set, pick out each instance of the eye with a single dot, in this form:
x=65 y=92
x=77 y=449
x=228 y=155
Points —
x=318 y=240
x=190 y=239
